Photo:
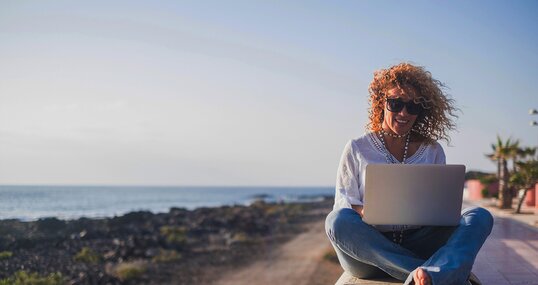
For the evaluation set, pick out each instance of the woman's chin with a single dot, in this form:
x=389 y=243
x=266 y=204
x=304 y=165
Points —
x=401 y=131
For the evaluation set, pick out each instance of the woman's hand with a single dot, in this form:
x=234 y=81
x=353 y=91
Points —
x=358 y=209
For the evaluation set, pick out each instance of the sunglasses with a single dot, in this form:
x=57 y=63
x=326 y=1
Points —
x=396 y=105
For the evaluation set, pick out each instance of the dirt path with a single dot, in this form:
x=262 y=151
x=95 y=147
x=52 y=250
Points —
x=293 y=263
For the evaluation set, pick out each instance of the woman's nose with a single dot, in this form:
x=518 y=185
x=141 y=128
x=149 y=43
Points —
x=403 y=112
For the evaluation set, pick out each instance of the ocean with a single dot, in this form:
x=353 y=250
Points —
x=30 y=203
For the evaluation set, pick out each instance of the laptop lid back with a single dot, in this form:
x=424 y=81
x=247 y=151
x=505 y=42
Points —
x=413 y=194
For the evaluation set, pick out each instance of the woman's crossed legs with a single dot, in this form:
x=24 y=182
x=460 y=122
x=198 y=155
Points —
x=445 y=254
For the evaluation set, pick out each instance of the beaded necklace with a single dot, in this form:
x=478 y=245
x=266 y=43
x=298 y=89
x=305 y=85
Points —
x=394 y=135
x=406 y=147
x=390 y=160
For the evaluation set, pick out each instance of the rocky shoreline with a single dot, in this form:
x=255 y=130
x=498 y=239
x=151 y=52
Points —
x=178 y=247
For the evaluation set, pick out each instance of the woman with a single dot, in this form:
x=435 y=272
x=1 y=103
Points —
x=409 y=113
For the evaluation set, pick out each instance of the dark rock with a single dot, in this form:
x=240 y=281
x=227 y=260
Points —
x=200 y=241
x=50 y=225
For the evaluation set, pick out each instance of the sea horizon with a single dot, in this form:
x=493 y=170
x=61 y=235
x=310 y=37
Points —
x=33 y=202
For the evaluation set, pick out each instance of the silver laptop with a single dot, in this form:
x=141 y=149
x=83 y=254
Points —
x=419 y=194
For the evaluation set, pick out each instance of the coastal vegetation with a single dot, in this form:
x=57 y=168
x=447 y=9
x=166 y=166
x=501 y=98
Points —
x=524 y=173
x=166 y=255
x=502 y=152
x=129 y=270
x=5 y=254
x=87 y=255
x=174 y=235
x=525 y=177
x=178 y=247
x=25 y=278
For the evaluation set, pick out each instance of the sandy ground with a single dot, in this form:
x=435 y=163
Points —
x=299 y=261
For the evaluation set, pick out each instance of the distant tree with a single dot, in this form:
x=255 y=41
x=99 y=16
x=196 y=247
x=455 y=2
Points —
x=486 y=181
x=502 y=153
x=471 y=174
x=522 y=153
x=525 y=175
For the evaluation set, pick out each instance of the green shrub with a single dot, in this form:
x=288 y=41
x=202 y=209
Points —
x=87 y=255
x=129 y=270
x=167 y=256
x=274 y=210
x=174 y=235
x=5 y=254
x=240 y=237
x=330 y=255
x=24 y=278
x=475 y=175
x=488 y=179
x=295 y=209
x=485 y=193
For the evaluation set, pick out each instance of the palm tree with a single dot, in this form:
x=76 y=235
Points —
x=526 y=174
x=523 y=153
x=502 y=152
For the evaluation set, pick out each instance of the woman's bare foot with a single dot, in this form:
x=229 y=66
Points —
x=421 y=277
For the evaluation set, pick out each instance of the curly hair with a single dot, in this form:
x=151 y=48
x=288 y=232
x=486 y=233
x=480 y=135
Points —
x=436 y=119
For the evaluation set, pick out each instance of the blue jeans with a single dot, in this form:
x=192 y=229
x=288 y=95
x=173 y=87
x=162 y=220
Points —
x=446 y=253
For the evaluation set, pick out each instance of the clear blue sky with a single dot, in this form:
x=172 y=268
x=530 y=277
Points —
x=243 y=92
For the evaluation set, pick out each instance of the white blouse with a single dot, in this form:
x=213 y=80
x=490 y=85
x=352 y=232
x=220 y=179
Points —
x=369 y=149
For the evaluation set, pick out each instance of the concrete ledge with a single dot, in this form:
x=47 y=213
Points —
x=347 y=279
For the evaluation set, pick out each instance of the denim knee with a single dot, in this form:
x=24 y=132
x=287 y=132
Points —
x=480 y=216
x=339 y=219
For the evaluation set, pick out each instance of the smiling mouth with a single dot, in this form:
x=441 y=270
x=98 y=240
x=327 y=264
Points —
x=402 y=121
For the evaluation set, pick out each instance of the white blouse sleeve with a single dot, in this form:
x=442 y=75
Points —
x=347 y=180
